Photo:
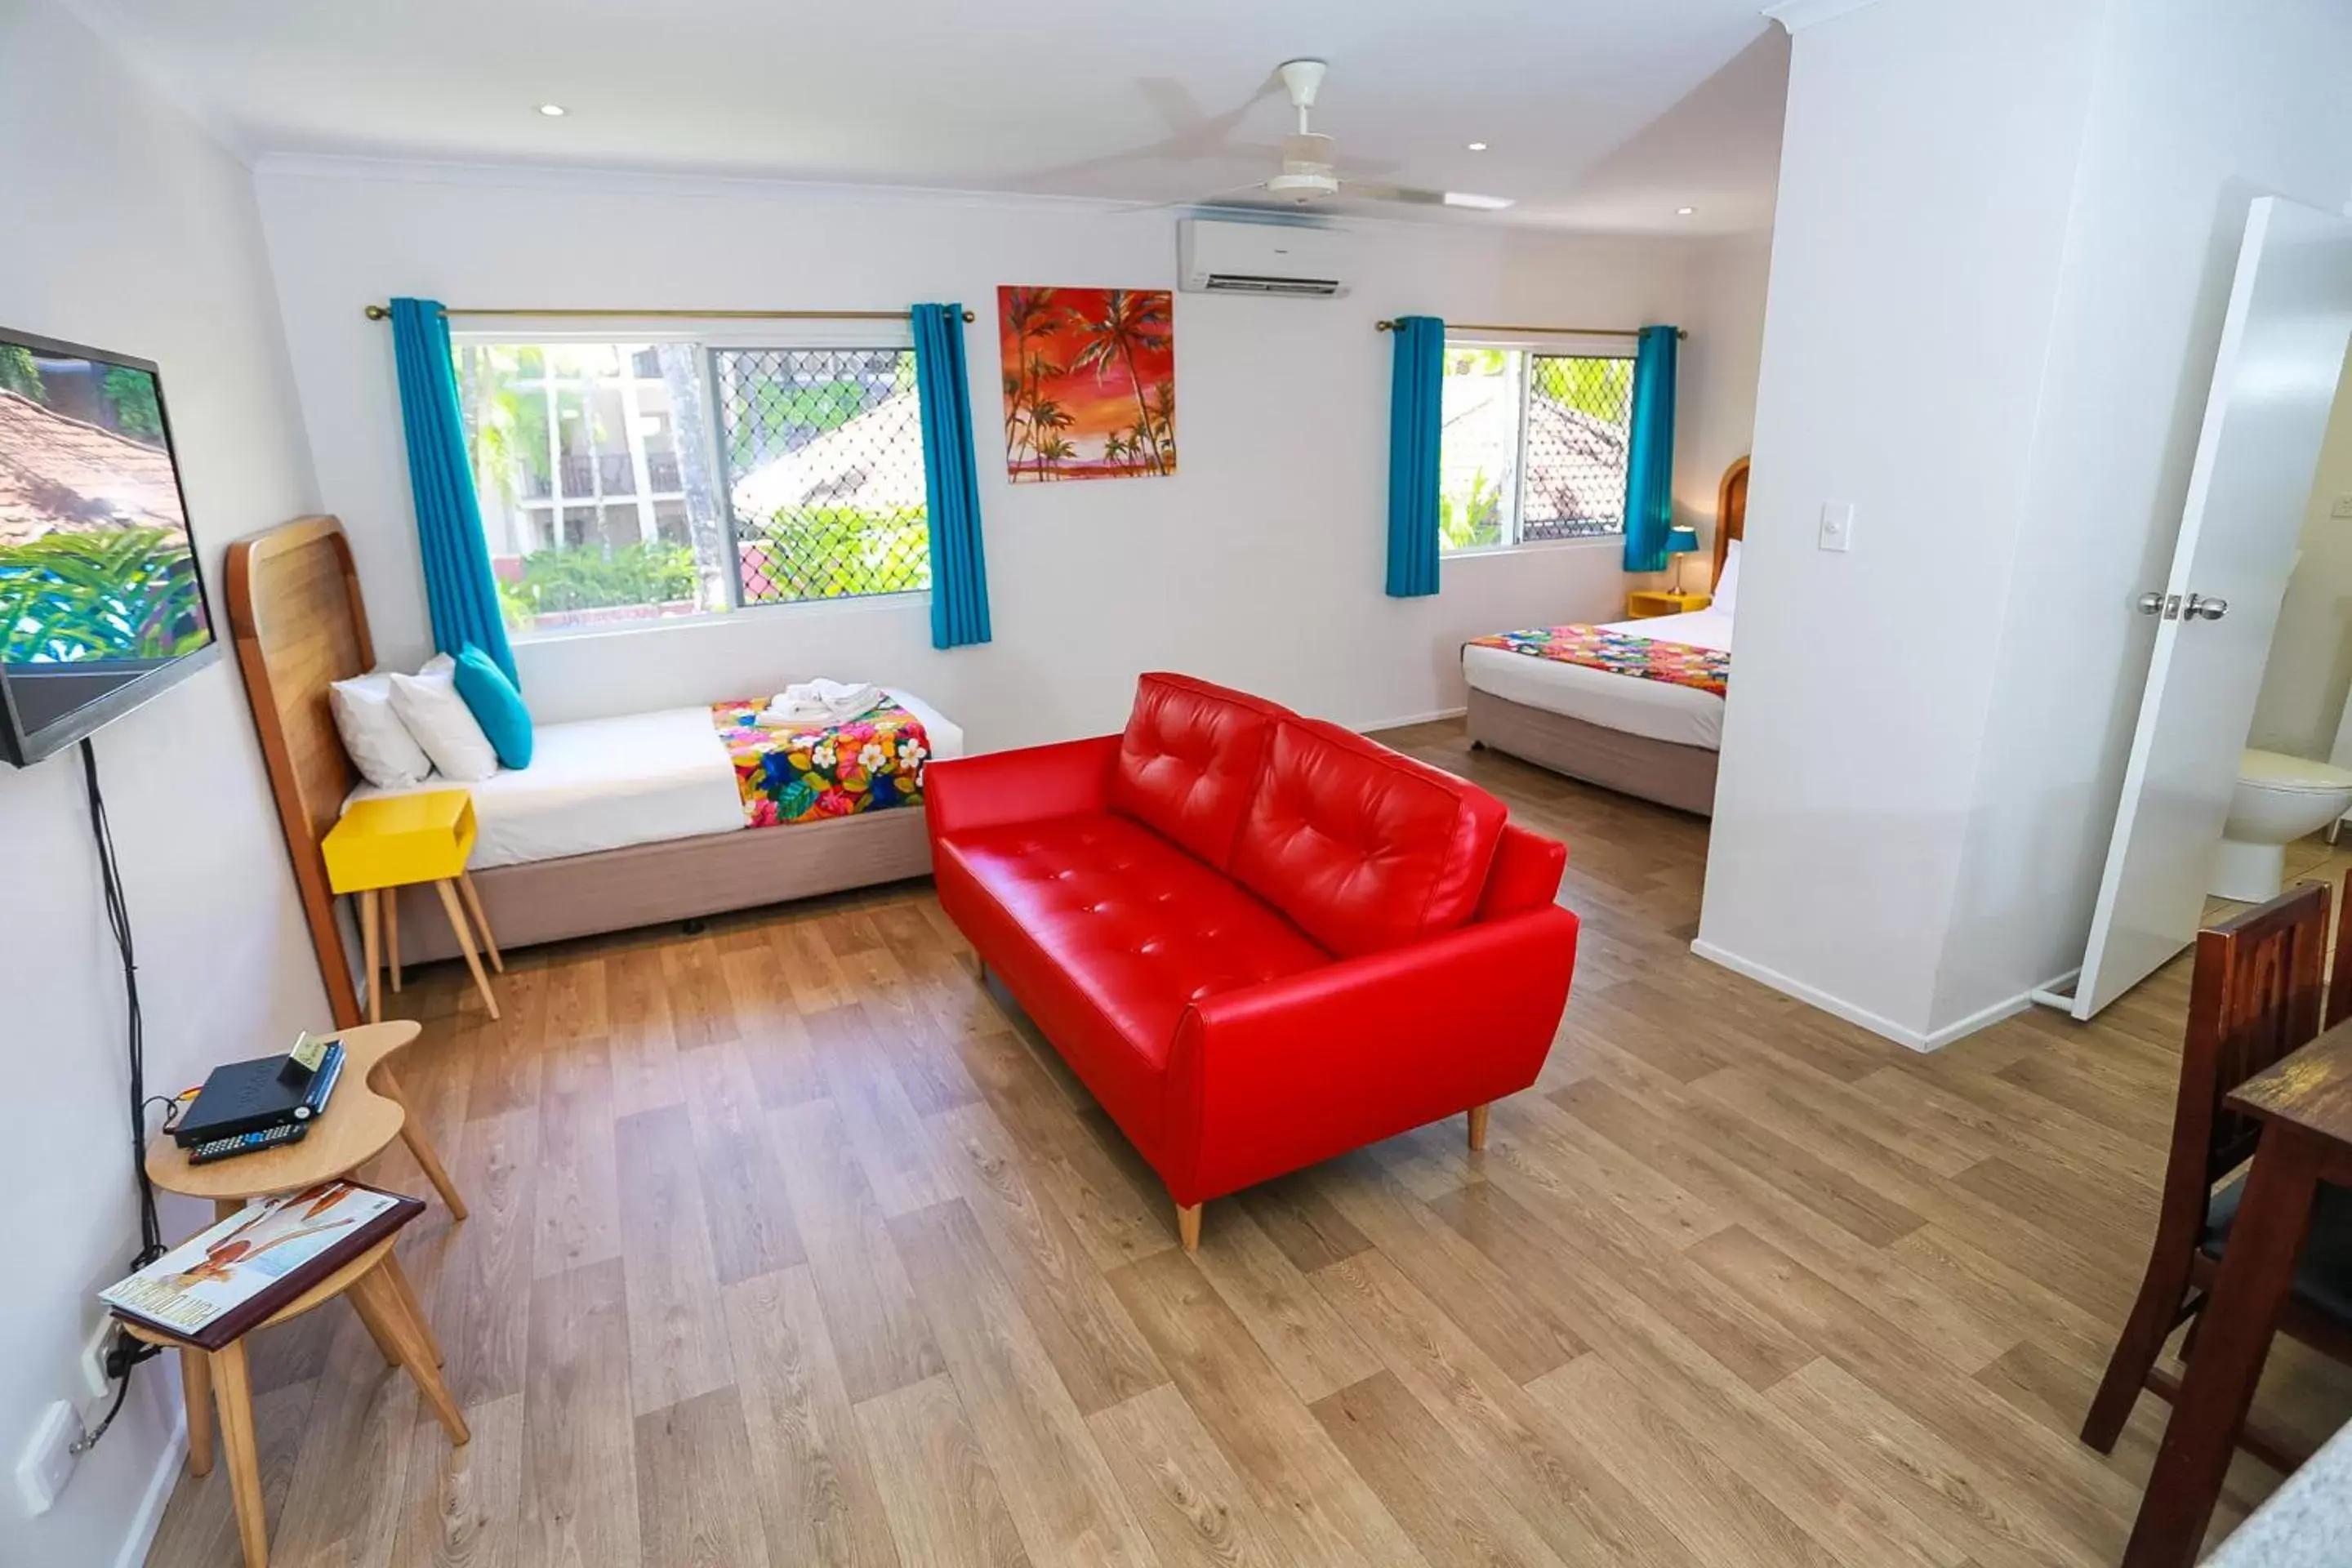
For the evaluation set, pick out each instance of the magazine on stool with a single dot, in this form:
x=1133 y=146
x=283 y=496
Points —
x=220 y=1282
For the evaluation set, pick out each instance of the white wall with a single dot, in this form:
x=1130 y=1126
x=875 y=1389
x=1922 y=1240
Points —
x=1259 y=563
x=2309 y=676
x=1719 y=369
x=1915 y=261
x=1992 y=325
x=128 y=230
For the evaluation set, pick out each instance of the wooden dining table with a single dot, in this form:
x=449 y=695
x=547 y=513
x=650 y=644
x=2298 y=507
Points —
x=2304 y=1103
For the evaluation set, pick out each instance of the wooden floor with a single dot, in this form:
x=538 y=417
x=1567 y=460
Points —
x=792 y=1246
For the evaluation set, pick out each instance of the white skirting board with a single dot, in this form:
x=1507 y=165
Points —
x=1983 y=1018
x=150 y=1517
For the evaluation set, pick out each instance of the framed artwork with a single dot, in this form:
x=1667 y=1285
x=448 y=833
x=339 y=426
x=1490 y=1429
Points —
x=1089 y=383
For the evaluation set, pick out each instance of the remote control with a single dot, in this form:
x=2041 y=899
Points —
x=249 y=1142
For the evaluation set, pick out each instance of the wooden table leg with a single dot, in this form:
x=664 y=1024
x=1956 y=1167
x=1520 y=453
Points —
x=379 y=1302
x=2257 y=1269
x=196 y=1389
x=233 y=1393
x=465 y=943
x=368 y=947
x=481 y=921
x=399 y=1277
x=391 y=935
x=420 y=1143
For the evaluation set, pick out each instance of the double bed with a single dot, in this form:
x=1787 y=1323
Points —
x=617 y=823
x=1653 y=736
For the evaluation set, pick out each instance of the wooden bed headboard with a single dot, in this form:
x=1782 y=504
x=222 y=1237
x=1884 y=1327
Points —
x=298 y=622
x=1730 y=514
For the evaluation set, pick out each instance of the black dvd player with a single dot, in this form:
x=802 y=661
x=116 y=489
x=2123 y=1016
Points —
x=254 y=1096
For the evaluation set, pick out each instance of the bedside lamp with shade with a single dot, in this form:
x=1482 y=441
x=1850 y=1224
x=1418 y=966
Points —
x=1680 y=542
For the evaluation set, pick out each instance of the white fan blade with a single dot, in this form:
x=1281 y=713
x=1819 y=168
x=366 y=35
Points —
x=1415 y=196
x=1193 y=201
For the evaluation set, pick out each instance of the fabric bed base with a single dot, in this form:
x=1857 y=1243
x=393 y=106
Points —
x=675 y=880
x=1661 y=771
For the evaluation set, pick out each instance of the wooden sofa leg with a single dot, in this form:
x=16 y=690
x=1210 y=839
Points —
x=1479 y=1126
x=1188 y=1225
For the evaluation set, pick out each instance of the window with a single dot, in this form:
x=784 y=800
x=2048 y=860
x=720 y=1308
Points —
x=1533 y=447
x=622 y=483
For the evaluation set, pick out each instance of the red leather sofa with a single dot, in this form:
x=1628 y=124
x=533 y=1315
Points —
x=1260 y=939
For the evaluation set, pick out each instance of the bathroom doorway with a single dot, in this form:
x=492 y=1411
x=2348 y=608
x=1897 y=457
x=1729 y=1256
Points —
x=2191 y=775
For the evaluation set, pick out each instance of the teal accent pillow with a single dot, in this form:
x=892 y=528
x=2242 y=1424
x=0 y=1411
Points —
x=496 y=705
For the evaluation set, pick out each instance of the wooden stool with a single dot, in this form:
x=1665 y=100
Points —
x=380 y=1293
x=391 y=841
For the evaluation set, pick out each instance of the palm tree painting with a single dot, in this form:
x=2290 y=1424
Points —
x=1089 y=383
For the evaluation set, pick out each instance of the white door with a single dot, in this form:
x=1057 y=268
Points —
x=2274 y=379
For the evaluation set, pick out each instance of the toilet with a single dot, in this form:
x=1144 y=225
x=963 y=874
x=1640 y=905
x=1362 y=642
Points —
x=2278 y=800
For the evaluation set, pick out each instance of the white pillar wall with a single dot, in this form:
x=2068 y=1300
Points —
x=2002 y=247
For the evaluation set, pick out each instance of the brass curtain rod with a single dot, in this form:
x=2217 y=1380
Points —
x=1538 y=331
x=383 y=313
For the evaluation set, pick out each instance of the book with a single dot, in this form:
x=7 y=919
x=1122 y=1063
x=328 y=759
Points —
x=222 y=1282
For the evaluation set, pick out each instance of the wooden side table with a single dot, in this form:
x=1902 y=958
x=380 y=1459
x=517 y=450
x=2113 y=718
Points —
x=368 y=1111
x=380 y=1293
x=390 y=841
x=1642 y=604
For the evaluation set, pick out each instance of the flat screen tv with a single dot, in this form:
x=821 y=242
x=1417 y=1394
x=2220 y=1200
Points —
x=102 y=595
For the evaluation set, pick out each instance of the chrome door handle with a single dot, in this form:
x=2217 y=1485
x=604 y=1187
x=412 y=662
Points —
x=2208 y=609
x=2150 y=604
x=2165 y=604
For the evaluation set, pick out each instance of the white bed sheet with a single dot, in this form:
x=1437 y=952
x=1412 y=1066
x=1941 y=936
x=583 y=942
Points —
x=1656 y=708
x=606 y=783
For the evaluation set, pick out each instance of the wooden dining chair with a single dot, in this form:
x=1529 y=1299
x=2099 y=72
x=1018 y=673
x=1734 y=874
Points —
x=2255 y=995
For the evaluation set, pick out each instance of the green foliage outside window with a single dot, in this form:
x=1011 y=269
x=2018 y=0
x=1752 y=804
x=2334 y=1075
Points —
x=555 y=580
x=833 y=552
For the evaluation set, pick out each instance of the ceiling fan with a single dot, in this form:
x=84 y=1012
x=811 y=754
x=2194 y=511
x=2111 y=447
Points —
x=1309 y=175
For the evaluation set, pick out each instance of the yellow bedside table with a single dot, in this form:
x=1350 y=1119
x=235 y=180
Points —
x=394 y=840
x=1643 y=603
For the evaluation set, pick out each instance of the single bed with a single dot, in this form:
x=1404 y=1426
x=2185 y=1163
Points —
x=1649 y=738
x=617 y=822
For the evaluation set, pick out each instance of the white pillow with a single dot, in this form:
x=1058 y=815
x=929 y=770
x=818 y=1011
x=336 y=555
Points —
x=380 y=746
x=428 y=704
x=1726 y=586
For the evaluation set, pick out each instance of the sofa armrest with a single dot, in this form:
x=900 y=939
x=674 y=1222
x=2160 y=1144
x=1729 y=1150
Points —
x=1025 y=785
x=1272 y=1076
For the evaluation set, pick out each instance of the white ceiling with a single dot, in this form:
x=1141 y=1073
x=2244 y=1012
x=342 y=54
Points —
x=1603 y=114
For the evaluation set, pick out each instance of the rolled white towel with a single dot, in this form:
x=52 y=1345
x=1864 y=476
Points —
x=819 y=701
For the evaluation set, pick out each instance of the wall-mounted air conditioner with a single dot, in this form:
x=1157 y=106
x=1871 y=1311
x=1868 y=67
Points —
x=1222 y=257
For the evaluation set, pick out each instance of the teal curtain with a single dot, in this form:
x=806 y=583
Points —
x=1415 y=417
x=950 y=479
x=1650 y=457
x=459 y=589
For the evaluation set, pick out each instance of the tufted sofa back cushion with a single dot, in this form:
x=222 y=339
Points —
x=1364 y=849
x=1188 y=760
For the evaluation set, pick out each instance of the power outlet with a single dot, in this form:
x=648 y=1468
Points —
x=49 y=1459
x=94 y=1381
x=2343 y=507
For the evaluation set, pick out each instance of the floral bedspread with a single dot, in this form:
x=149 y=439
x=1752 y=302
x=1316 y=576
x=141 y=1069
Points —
x=869 y=764
x=1620 y=653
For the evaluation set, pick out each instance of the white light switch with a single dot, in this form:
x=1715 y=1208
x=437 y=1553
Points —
x=2343 y=507
x=1837 y=525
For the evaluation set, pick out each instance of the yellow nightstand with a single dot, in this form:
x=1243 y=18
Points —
x=391 y=841
x=1643 y=603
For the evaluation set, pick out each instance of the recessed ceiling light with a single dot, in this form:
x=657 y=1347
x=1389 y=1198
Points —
x=1685 y=212
x=552 y=110
x=1478 y=146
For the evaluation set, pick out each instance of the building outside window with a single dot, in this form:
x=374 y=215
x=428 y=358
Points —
x=1533 y=446
x=625 y=483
